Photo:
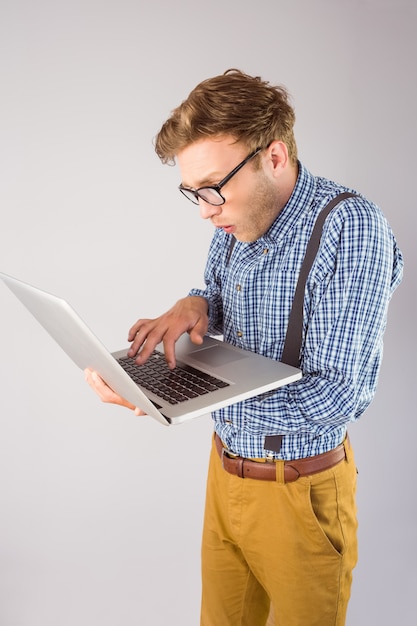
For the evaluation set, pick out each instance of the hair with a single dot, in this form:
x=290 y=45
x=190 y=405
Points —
x=245 y=107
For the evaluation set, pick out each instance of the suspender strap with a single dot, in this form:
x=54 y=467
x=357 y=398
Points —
x=229 y=252
x=293 y=338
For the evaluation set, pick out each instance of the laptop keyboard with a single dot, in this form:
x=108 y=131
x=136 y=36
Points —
x=174 y=386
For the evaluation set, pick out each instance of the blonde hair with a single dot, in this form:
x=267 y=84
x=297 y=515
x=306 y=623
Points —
x=245 y=107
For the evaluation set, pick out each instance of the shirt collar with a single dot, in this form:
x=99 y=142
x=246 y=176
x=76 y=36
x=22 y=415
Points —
x=299 y=204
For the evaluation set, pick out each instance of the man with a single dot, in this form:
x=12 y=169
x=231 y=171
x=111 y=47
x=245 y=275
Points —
x=290 y=541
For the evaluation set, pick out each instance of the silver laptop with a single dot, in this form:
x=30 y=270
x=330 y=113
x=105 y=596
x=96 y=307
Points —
x=207 y=377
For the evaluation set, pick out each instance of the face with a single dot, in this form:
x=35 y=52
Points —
x=252 y=198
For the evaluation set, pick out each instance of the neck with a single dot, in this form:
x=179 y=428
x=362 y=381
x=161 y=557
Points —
x=287 y=183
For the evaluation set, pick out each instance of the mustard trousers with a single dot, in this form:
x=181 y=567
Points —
x=293 y=545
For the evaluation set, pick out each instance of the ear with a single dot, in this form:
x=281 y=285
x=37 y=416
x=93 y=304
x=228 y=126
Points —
x=277 y=155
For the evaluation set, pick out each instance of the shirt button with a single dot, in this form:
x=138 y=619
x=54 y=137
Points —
x=239 y=333
x=265 y=251
x=238 y=287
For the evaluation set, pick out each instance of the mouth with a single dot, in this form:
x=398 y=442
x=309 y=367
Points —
x=227 y=228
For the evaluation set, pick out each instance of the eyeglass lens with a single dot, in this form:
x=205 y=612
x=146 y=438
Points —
x=212 y=195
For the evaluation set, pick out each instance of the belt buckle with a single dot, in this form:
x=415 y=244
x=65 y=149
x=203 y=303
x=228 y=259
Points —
x=228 y=453
x=238 y=467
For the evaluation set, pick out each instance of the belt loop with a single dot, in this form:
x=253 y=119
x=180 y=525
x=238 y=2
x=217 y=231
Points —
x=279 y=466
x=346 y=445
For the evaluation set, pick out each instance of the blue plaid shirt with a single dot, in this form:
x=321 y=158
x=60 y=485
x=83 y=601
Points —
x=356 y=270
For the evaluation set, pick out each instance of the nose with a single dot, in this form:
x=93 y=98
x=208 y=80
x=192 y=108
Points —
x=207 y=210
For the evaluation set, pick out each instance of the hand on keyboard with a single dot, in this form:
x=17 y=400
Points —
x=187 y=315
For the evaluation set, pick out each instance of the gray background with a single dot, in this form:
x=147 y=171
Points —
x=101 y=511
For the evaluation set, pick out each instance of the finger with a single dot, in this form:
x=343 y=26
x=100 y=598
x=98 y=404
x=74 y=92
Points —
x=142 y=353
x=93 y=379
x=136 y=345
x=169 y=350
x=137 y=335
x=106 y=394
x=135 y=328
x=198 y=332
x=146 y=339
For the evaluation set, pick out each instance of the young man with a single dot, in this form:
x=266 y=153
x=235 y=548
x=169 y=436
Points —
x=286 y=536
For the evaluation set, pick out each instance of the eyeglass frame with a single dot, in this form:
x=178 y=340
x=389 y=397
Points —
x=216 y=188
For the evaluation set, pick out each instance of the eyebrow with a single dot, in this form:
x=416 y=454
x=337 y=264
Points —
x=208 y=181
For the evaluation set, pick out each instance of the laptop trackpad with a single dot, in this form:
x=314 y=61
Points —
x=215 y=356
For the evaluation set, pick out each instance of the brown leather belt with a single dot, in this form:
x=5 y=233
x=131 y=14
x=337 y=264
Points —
x=245 y=468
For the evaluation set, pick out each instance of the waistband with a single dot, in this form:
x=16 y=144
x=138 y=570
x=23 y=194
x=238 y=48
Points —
x=292 y=470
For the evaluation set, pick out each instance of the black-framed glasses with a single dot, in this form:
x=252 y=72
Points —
x=211 y=194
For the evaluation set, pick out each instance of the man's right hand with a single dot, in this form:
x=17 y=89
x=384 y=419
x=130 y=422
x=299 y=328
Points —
x=106 y=394
x=189 y=314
